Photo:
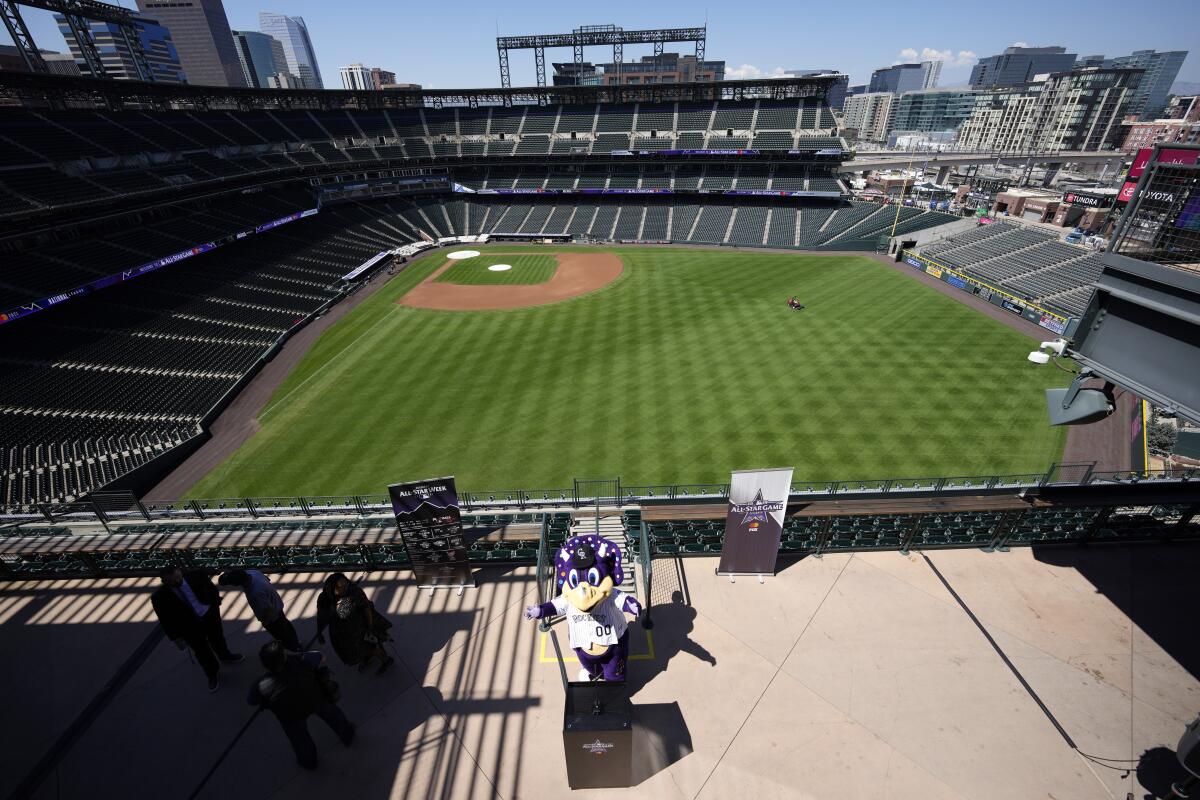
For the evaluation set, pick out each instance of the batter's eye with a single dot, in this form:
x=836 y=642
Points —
x=593 y=576
x=573 y=578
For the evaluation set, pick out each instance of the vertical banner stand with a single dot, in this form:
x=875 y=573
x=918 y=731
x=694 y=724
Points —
x=754 y=522
x=430 y=523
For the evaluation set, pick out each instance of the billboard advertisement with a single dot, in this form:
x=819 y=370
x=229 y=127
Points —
x=430 y=524
x=934 y=271
x=754 y=521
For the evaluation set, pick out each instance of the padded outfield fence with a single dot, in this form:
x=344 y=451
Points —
x=1053 y=321
x=116 y=535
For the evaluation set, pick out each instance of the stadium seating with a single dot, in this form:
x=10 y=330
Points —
x=1026 y=261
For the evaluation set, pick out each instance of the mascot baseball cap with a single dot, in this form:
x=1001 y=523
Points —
x=582 y=556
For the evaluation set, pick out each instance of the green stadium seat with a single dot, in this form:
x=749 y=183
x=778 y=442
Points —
x=526 y=553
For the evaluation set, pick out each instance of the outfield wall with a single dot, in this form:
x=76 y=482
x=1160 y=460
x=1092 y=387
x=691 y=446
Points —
x=1043 y=317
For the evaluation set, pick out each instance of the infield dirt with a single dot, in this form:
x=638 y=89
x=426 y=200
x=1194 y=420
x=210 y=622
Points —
x=577 y=274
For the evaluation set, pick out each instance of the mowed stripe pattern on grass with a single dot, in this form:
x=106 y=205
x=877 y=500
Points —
x=688 y=367
x=526 y=270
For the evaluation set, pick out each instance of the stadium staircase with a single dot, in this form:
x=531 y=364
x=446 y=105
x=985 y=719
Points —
x=613 y=528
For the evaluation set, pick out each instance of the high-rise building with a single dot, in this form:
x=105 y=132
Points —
x=1158 y=73
x=1019 y=65
x=356 y=76
x=285 y=80
x=901 y=78
x=260 y=55
x=1077 y=110
x=157 y=45
x=60 y=63
x=870 y=114
x=56 y=63
x=200 y=31
x=667 y=68
x=292 y=33
x=381 y=77
x=931 y=110
x=837 y=92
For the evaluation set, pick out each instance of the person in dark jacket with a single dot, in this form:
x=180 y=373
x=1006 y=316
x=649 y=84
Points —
x=292 y=690
x=266 y=604
x=189 y=609
x=357 y=629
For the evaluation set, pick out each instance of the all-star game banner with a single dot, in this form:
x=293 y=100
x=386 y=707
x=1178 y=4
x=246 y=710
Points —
x=428 y=518
x=754 y=521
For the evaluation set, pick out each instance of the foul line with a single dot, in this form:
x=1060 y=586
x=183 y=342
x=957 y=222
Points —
x=321 y=368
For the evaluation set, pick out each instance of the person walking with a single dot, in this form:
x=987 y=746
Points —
x=357 y=629
x=294 y=688
x=188 y=607
x=266 y=604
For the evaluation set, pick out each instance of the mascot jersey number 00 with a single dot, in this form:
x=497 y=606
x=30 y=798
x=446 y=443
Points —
x=598 y=615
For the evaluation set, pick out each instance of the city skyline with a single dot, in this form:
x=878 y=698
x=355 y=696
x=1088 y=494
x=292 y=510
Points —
x=462 y=52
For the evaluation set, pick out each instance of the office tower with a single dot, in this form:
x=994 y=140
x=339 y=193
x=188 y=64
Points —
x=297 y=46
x=156 y=41
x=261 y=56
x=200 y=32
x=1158 y=73
x=356 y=76
x=932 y=110
x=902 y=78
x=1019 y=65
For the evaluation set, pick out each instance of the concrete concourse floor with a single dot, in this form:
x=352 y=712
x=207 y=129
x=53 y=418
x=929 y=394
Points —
x=850 y=676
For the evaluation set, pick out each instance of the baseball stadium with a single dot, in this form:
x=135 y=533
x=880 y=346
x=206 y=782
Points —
x=234 y=321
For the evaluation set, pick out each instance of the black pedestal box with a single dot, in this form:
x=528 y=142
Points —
x=598 y=735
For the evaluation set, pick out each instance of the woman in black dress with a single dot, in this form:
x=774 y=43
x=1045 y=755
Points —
x=358 y=631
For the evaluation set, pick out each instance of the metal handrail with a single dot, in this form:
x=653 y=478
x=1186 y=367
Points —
x=517 y=500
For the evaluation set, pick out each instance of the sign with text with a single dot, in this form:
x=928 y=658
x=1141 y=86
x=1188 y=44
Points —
x=428 y=517
x=754 y=521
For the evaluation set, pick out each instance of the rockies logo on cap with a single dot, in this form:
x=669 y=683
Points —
x=583 y=556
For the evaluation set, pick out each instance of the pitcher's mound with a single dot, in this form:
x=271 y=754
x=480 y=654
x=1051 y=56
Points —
x=577 y=274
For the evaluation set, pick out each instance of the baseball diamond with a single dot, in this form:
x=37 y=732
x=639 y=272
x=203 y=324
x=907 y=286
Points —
x=689 y=365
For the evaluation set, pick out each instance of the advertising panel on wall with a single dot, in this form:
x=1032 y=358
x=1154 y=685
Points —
x=754 y=521
x=1036 y=314
x=430 y=524
x=135 y=272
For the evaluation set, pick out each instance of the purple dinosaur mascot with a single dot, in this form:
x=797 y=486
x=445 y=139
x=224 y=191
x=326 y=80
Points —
x=598 y=616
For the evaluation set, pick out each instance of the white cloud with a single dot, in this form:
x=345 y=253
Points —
x=1019 y=44
x=963 y=58
x=749 y=72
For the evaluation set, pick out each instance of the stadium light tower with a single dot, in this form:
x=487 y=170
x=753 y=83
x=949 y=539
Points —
x=587 y=36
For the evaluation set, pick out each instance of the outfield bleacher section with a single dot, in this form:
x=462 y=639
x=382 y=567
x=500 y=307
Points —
x=1029 y=262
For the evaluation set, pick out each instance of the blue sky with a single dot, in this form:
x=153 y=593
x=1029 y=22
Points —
x=452 y=44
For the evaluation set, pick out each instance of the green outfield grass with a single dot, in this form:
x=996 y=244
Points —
x=526 y=269
x=688 y=366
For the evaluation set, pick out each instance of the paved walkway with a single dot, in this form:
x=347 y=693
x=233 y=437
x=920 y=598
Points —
x=964 y=675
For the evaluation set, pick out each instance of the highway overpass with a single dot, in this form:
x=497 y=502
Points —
x=944 y=162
